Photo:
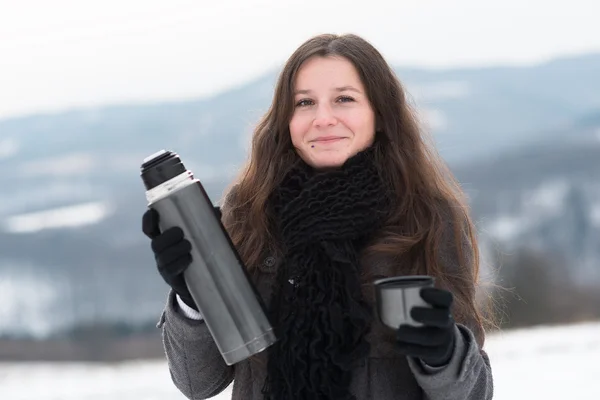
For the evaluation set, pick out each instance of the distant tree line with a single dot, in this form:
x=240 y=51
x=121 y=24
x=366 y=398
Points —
x=534 y=288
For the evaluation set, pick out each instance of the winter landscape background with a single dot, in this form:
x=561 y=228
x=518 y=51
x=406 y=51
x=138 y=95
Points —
x=524 y=143
x=79 y=292
x=78 y=281
x=540 y=363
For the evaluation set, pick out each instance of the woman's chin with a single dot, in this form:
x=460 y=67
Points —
x=328 y=159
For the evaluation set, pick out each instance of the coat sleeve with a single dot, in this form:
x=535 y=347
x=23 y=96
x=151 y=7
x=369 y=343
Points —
x=468 y=375
x=195 y=363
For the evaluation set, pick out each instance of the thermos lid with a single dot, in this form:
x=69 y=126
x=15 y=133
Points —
x=161 y=167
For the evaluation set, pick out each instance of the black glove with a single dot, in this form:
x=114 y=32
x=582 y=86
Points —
x=433 y=342
x=171 y=252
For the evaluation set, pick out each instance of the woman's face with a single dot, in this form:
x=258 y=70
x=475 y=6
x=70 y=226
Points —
x=333 y=119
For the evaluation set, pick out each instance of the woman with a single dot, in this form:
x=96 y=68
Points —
x=340 y=189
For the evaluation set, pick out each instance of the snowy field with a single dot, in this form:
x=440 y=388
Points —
x=542 y=363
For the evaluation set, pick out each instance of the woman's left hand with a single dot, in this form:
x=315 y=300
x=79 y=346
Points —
x=433 y=342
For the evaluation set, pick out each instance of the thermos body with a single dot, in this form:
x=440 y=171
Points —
x=217 y=279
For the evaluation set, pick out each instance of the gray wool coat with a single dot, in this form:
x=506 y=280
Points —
x=199 y=372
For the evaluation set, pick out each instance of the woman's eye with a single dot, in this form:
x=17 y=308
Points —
x=304 y=103
x=345 y=99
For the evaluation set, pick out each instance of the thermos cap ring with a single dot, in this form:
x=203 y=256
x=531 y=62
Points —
x=160 y=167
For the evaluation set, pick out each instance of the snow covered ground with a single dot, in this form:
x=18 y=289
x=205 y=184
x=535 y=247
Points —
x=542 y=363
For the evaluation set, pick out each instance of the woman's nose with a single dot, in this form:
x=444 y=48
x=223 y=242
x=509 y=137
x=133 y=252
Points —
x=324 y=116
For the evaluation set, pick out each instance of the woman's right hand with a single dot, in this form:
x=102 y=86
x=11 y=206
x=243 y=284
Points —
x=172 y=254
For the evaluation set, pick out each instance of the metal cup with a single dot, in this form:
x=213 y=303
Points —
x=396 y=296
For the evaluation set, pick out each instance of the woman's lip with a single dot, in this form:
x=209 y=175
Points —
x=328 y=139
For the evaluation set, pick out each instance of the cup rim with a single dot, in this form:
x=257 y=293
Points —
x=404 y=279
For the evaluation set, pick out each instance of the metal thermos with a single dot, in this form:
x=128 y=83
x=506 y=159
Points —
x=217 y=280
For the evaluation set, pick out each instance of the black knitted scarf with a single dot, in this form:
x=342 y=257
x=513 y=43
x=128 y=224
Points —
x=320 y=317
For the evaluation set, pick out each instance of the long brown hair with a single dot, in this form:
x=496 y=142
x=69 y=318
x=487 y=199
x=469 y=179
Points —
x=429 y=199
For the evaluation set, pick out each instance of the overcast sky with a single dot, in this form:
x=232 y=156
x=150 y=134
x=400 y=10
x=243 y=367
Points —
x=59 y=54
